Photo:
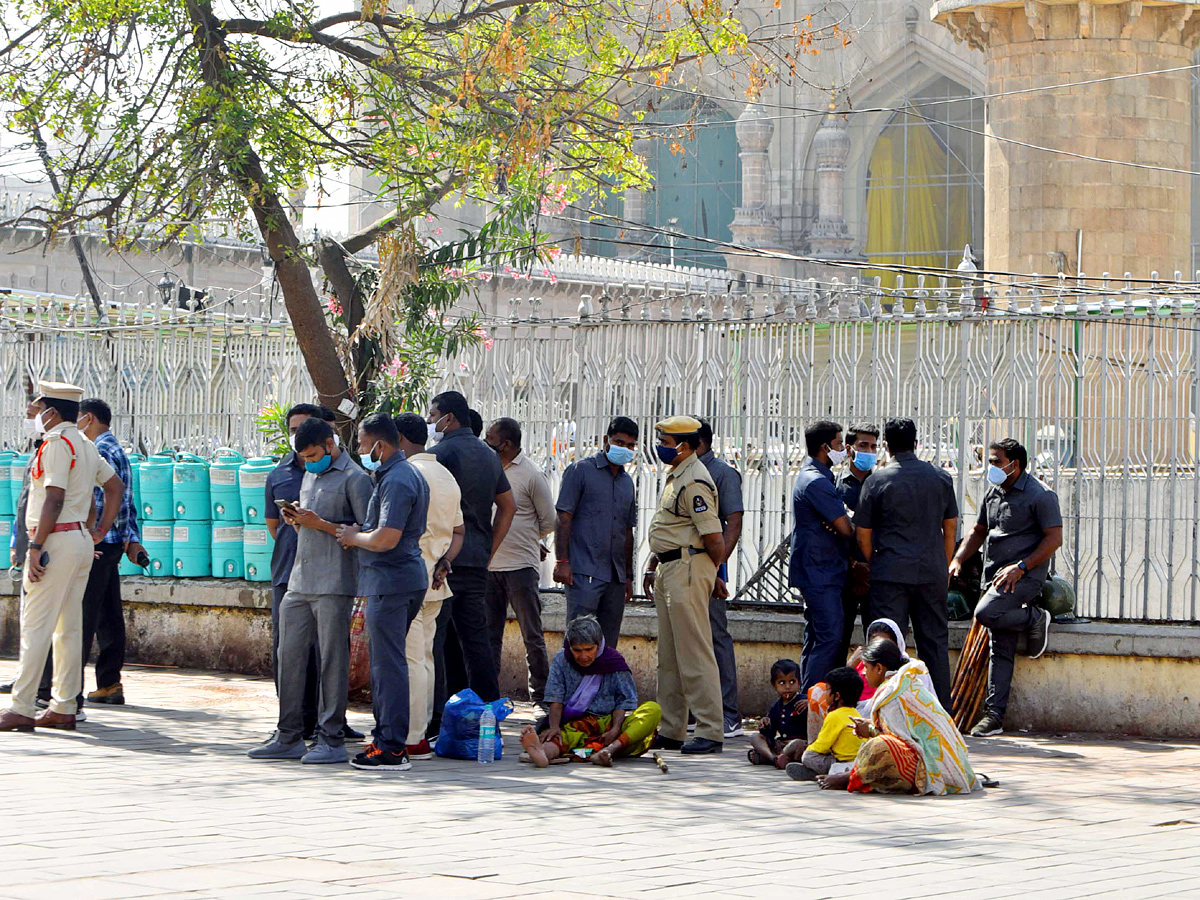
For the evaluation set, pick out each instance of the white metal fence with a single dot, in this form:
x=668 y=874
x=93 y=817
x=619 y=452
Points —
x=1100 y=386
x=181 y=379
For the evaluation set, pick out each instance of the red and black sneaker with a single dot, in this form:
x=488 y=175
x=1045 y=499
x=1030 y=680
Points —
x=419 y=751
x=376 y=759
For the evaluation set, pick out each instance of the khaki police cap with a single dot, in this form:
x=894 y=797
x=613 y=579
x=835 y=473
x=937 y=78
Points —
x=57 y=390
x=678 y=425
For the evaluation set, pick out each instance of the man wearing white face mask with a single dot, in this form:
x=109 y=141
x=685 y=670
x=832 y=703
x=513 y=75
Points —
x=1020 y=520
x=817 y=565
x=60 y=554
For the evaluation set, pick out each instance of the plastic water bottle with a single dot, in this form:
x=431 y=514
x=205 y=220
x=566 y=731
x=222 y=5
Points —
x=487 y=737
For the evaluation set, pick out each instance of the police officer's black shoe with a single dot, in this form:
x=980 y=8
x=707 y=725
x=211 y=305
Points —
x=666 y=743
x=699 y=745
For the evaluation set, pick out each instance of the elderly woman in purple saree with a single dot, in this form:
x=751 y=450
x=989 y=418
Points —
x=594 y=709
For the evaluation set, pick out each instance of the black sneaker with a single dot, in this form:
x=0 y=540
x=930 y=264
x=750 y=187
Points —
x=376 y=759
x=1039 y=634
x=699 y=745
x=349 y=734
x=6 y=688
x=987 y=726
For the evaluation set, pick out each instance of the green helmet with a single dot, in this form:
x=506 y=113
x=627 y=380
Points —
x=1057 y=596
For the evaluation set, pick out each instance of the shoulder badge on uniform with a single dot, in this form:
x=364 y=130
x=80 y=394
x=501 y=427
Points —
x=698 y=504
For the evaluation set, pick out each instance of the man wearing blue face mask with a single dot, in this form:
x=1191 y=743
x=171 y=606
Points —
x=1020 y=520
x=593 y=539
x=862 y=442
x=320 y=597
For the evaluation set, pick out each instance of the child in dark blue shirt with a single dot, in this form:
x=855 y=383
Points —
x=781 y=737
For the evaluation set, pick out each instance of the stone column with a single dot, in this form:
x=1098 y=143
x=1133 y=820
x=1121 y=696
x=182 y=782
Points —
x=753 y=224
x=1132 y=219
x=829 y=236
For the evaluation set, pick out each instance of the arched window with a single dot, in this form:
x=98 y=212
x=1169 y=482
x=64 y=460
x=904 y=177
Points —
x=925 y=182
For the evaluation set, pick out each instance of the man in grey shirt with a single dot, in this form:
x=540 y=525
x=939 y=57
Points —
x=906 y=524
x=597 y=512
x=1022 y=525
x=320 y=597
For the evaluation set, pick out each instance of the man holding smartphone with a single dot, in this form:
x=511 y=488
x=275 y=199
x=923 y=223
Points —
x=320 y=597
x=61 y=550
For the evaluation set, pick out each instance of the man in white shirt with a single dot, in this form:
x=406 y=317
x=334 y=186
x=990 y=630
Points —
x=513 y=572
x=440 y=543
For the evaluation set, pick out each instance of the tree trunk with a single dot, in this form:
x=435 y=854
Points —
x=299 y=293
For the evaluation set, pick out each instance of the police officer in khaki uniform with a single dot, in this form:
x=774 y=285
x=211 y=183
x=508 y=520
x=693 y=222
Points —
x=685 y=535
x=59 y=517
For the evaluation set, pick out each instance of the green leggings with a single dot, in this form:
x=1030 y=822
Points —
x=637 y=731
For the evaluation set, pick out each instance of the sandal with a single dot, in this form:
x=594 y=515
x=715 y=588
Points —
x=755 y=759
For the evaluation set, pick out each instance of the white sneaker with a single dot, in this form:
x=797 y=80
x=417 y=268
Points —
x=80 y=716
x=691 y=727
x=735 y=732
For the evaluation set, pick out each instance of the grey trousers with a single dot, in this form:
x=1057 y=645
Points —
x=605 y=600
x=926 y=604
x=818 y=762
x=304 y=618
x=519 y=589
x=1006 y=616
x=726 y=663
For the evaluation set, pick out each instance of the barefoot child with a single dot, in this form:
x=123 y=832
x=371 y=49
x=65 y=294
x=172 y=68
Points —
x=780 y=738
x=837 y=744
x=593 y=703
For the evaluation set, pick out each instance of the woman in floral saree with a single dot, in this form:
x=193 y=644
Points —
x=912 y=745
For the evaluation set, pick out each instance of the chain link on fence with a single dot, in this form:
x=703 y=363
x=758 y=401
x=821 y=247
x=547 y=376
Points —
x=1099 y=384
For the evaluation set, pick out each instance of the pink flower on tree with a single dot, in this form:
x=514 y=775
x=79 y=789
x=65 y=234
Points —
x=334 y=307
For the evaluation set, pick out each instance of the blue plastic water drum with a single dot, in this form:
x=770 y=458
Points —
x=252 y=483
x=8 y=504
x=191 y=548
x=223 y=480
x=227 y=554
x=7 y=525
x=156 y=538
x=135 y=480
x=154 y=482
x=190 y=492
x=257 y=547
x=17 y=468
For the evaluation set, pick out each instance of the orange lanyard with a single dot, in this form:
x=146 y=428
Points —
x=38 y=471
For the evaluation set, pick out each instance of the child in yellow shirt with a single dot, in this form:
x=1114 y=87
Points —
x=837 y=744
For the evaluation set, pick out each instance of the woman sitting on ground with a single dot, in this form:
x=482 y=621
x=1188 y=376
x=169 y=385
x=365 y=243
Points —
x=911 y=745
x=593 y=703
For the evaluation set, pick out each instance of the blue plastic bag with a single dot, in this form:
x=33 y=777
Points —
x=459 y=737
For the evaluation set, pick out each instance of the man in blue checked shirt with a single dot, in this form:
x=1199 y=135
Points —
x=103 y=617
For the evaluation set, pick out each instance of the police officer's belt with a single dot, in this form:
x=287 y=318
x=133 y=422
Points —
x=672 y=555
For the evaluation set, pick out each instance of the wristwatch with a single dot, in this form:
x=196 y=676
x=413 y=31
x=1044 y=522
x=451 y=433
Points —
x=33 y=546
x=1021 y=565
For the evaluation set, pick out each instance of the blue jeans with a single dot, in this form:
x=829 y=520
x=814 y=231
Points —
x=824 y=619
x=388 y=618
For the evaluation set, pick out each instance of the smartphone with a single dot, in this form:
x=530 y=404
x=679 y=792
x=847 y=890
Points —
x=286 y=504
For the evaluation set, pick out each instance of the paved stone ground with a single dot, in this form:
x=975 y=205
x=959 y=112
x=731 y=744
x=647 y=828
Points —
x=157 y=800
